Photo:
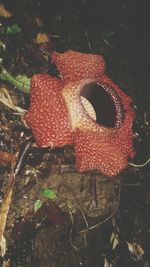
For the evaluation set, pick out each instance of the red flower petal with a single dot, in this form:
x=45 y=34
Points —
x=62 y=113
x=99 y=147
x=109 y=155
x=74 y=66
x=48 y=115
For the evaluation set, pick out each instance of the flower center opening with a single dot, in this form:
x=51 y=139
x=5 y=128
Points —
x=102 y=104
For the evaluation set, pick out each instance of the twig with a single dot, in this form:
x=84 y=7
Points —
x=84 y=217
x=104 y=221
x=139 y=165
x=72 y=221
x=84 y=234
x=7 y=101
x=6 y=205
x=87 y=38
x=23 y=154
x=71 y=230
x=93 y=188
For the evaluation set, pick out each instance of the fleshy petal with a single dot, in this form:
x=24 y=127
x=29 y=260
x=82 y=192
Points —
x=48 y=115
x=74 y=66
x=69 y=111
x=109 y=155
x=98 y=147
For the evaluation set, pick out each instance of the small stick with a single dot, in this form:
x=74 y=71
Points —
x=6 y=205
x=139 y=165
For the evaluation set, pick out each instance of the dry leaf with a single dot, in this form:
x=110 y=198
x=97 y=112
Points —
x=135 y=249
x=2 y=245
x=114 y=240
x=42 y=38
x=7 y=101
x=4 y=12
x=39 y=21
x=6 y=263
x=107 y=264
x=4 y=209
x=5 y=157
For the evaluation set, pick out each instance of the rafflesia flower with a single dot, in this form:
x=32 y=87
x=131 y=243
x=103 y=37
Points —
x=83 y=108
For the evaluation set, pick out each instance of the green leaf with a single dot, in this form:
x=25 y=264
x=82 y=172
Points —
x=37 y=205
x=13 y=29
x=49 y=193
x=22 y=82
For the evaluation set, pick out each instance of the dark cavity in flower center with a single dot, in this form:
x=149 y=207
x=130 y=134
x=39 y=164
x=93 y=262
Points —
x=106 y=104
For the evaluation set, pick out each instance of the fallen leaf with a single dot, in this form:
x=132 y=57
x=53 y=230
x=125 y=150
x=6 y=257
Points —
x=6 y=263
x=37 y=205
x=4 y=12
x=13 y=29
x=49 y=193
x=2 y=246
x=114 y=240
x=5 y=157
x=42 y=38
x=20 y=81
x=7 y=100
x=135 y=249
